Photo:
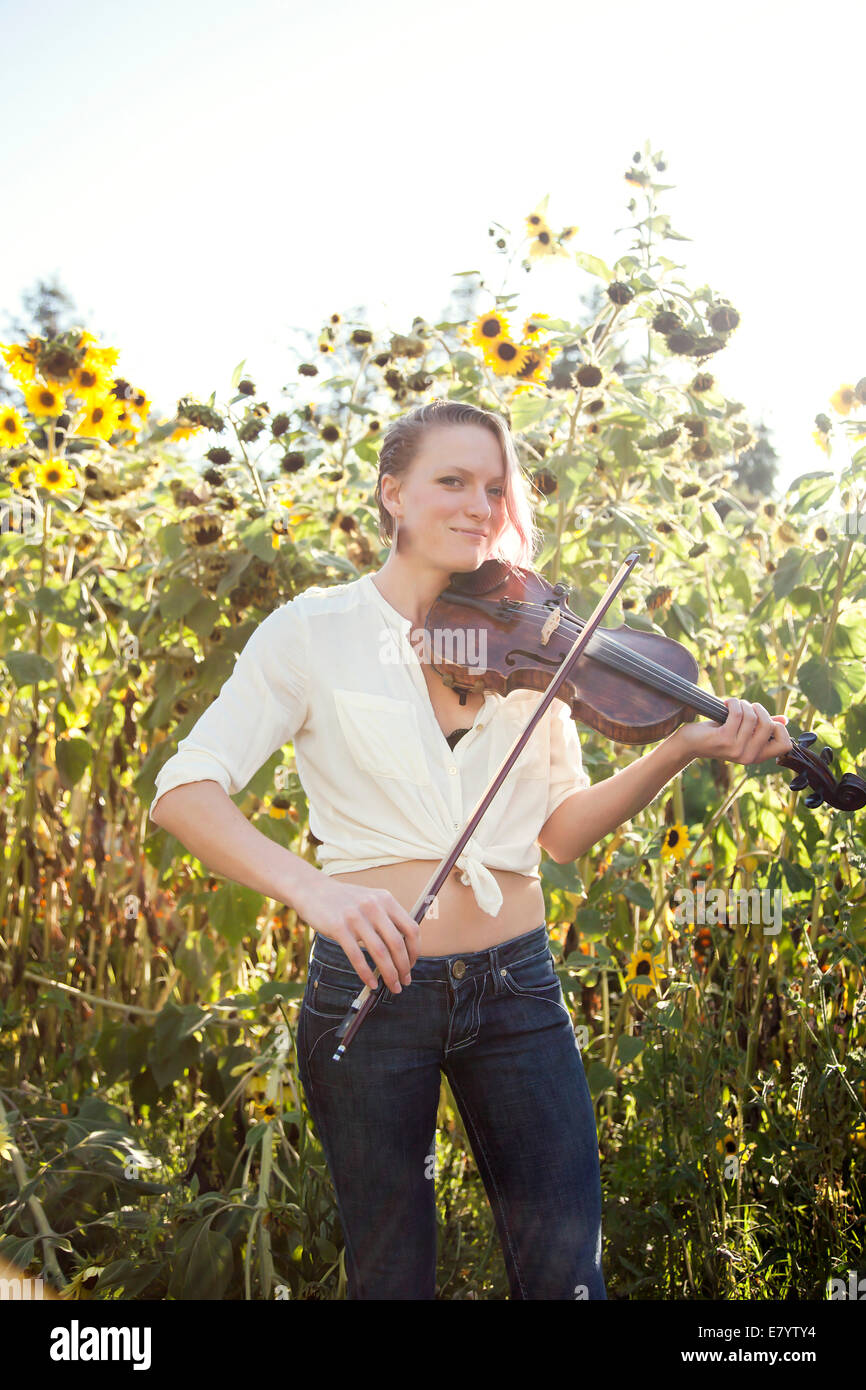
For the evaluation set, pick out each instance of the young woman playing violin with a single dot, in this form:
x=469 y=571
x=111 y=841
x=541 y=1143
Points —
x=393 y=764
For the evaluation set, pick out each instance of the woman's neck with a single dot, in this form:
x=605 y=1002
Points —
x=410 y=590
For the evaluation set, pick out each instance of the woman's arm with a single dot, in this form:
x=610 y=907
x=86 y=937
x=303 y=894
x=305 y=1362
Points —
x=208 y=823
x=748 y=735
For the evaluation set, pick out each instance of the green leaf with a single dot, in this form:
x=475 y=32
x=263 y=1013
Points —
x=26 y=668
x=178 y=598
x=599 y=1078
x=201 y=617
x=73 y=757
x=639 y=893
x=788 y=571
x=684 y=618
x=528 y=410
x=813 y=490
x=628 y=1048
x=829 y=686
x=233 y=911
x=237 y=374
x=258 y=538
x=594 y=265
x=210 y=1265
x=161 y=432
x=849 y=638
x=170 y=540
x=590 y=920
x=173 y=1048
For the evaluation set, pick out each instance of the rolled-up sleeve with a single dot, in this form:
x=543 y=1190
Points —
x=260 y=707
x=567 y=774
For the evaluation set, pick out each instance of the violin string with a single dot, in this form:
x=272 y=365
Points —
x=618 y=655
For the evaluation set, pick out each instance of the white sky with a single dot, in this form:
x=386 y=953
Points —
x=206 y=176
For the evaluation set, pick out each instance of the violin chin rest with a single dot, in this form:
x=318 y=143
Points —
x=488 y=576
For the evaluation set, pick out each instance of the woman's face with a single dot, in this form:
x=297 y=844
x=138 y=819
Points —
x=450 y=502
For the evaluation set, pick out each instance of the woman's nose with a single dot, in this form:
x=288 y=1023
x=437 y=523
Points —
x=480 y=507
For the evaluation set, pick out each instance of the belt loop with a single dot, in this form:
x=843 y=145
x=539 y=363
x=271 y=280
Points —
x=493 y=957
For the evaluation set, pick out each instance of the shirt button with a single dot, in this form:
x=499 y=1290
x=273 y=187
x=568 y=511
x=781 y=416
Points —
x=452 y=769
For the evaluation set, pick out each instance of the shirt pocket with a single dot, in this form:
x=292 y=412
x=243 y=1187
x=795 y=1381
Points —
x=509 y=720
x=383 y=735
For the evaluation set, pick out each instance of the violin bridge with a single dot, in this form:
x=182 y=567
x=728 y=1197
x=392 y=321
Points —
x=550 y=626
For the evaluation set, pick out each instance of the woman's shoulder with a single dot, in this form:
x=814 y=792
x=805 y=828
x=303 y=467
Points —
x=317 y=599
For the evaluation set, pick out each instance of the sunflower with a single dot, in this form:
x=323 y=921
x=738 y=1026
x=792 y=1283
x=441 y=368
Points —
x=125 y=421
x=645 y=969
x=256 y=1087
x=534 y=327
x=488 y=328
x=822 y=440
x=140 y=403
x=183 y=429
x=534 y=366
x=12 y=431
x=675 y=842
x=101 y=418
x=544 y=241
x=44 y=399
x=54 y=475
x=506 y=358
x=20 y=361
x=16 y=475
x=103 y=359
x=90 y=383
x=844 y=399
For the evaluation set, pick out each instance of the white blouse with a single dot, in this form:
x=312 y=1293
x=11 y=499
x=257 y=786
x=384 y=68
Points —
x=333 y=672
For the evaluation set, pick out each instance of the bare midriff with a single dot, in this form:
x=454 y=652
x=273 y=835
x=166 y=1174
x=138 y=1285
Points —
x=455 y=922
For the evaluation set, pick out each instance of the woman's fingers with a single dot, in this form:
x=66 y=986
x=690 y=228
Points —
x=760 y=735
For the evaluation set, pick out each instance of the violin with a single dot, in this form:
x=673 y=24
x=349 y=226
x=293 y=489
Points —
x=630 y=685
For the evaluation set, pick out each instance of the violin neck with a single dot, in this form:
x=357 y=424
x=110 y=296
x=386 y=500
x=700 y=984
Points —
x=658 y=678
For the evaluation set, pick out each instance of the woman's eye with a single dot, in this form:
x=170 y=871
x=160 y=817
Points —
x=499 y=491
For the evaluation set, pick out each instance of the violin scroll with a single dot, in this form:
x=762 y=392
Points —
x=846 y=794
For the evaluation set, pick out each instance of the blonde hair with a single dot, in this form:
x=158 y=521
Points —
x=520 y=538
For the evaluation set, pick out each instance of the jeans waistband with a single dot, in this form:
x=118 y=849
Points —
x=517 y=948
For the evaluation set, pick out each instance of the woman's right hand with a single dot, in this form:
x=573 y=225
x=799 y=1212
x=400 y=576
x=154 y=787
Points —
x=354 y=915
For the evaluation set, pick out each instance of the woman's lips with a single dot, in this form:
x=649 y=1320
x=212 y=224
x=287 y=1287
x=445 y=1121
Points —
x=475 y=535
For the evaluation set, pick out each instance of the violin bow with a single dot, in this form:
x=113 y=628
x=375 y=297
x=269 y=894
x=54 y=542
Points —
x=361 y=1006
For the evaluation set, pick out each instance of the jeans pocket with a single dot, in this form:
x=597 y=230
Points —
x=331 y=991
x=534 y=975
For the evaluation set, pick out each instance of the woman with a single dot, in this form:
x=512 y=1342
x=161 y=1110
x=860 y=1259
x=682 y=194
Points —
x=393 y=765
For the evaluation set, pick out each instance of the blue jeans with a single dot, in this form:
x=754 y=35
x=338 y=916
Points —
x=496 y=1023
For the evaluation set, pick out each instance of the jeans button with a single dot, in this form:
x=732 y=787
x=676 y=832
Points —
x=458 y=969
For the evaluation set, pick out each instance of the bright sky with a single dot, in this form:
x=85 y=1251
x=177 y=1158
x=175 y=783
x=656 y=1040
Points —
x=206 y=176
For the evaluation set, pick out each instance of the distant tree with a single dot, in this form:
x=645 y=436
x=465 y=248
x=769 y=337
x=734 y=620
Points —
x=50 y=311
x=754 y=474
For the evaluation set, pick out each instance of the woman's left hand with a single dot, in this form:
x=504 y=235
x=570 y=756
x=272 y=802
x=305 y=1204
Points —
x=749 y=735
